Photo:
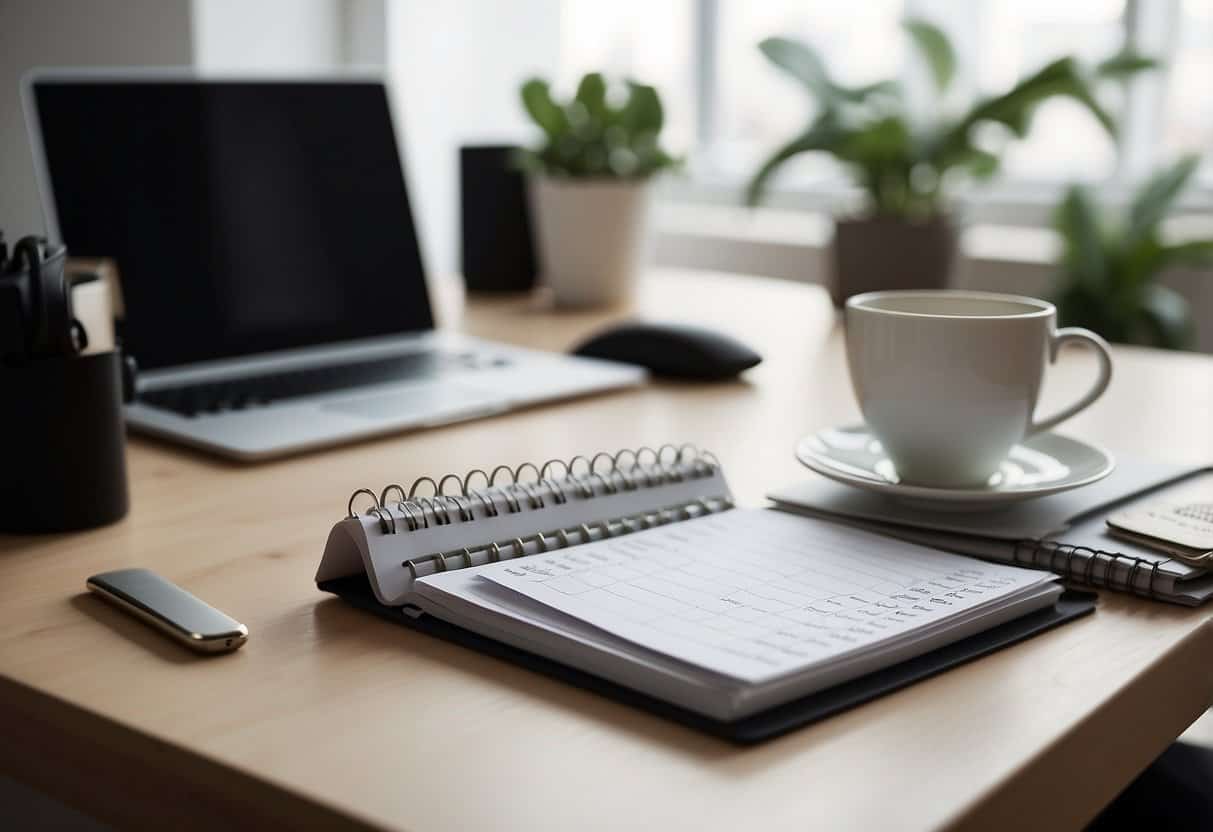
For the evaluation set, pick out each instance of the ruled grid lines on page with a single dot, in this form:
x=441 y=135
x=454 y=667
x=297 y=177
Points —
x=753 y=593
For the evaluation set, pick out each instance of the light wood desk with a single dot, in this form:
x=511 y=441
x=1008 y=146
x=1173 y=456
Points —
x=330 y=717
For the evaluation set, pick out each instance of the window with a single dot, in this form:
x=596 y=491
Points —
x=1187 y=124
x=1016 y=37
x=757 y=107
x=728 y=108
x=642 y=39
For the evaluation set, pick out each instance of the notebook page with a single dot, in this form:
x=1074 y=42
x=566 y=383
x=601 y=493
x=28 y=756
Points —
x=754 y=594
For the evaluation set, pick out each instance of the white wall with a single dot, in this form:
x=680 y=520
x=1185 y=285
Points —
x=365 y=32
x=71 y=33
x=268 y=35
x=456 y=68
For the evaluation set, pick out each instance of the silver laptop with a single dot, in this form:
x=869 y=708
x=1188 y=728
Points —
x=273 y=287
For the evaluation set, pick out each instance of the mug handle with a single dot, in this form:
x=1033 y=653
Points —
x=1100 y=346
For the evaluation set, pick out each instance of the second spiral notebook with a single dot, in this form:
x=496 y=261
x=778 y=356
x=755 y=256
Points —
x=634 y=575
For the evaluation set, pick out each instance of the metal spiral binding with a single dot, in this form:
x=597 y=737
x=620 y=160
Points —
x=1038 y=553
x=603 y=473
x=561 y=538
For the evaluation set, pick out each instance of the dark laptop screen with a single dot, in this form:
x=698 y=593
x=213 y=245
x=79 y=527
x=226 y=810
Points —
x=244 y=216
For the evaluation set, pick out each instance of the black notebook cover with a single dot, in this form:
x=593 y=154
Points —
x=761 y=726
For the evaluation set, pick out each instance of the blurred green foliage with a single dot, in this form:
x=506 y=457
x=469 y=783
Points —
x=1110 y=261
x=593 y=136
x=906 y=164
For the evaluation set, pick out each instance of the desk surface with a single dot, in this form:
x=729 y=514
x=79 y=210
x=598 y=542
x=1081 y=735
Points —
x=329 y=715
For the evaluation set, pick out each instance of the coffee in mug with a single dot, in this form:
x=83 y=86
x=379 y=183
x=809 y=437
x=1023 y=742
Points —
x=948 y=380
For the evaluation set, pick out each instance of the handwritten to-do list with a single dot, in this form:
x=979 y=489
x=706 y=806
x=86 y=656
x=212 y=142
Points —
x=753 y=594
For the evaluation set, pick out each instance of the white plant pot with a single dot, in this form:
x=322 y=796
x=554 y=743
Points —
x=593 y=237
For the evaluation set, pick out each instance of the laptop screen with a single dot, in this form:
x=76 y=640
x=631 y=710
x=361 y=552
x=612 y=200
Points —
x=243 y=216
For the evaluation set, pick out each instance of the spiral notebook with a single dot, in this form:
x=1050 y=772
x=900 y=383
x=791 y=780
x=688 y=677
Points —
x=635 y=575
x=1064 y=533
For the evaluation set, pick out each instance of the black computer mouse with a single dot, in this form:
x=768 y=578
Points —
x=674 y=350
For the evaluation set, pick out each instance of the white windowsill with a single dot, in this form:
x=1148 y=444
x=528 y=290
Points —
x=792 y=244
x=795 y=228
x=714 y=226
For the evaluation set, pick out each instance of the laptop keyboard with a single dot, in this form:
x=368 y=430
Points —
x=259 y=390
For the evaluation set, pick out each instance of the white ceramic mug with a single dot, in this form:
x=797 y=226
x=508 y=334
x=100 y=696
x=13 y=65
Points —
x=948 y=380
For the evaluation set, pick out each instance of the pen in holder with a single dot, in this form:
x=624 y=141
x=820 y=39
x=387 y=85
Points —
x=61 y=429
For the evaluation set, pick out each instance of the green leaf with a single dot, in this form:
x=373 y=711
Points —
x=537 y=99
x=1080 y=305
x=935 y=48
x=800 y=61
x=982 y=164
x=823 y=134
x=1155 y=198
x=891 y=89
x=1197 y=253
x=1077 y=221
x=1144 y=259
x=1124 y=65
x=1014 y=108
x=1166 y=318
x=591 y=92
x=587 y=137
x=878 y=143
x=527 y=161
x=642 y=111
x=978 y=163
x=1133 y=262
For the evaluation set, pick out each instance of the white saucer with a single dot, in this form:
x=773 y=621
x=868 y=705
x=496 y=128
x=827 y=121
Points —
x=1041 y=465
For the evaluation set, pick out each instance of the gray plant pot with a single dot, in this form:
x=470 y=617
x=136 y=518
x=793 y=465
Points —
x=891 y=253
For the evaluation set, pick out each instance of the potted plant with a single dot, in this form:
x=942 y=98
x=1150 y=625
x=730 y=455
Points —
x=1110 y=261
x=906 y=165
x=589 y=186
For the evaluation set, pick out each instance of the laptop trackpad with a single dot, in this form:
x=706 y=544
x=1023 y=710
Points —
x=417 y=402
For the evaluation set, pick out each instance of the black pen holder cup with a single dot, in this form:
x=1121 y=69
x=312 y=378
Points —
x=62 y=444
